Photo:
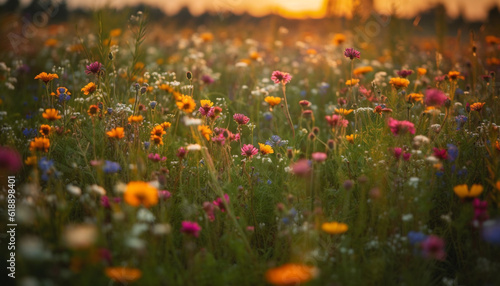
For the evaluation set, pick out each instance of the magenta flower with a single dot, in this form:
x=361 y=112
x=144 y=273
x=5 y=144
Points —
x=209 y=209
x=10 y=160
x=440 y=153
x=222 y=204
x=281 y=77
x=319 y=156
x=181 y=152
x=249 y=150
x=404 y=73
x=156 y=157
x=241 y=119
x=398 y=152
x=401 y=127
x=352 y=53
x=433 y=247
x=480 y=210
x=435 y=97
x=94 y=68
x=164 y=194
x=206 y=79
x=191 y=228
x=219 y=139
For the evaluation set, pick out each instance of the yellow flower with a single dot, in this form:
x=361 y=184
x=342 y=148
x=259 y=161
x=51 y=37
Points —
x=343 y=112
x=116 y=133
x=352 y=82
x=272 y=100
x=398 y=82
x=205 y=131
x=350 y=138
x=462 y=191
x=45 y=130
x=334 y=227
x=123 y=275
x=135 y=119
x=51 y=114
x=40 y=144
x=291 y=274
x=186 y=103
x=362 y=70
x=140 y=193
x=421 y=71
x=338 y=39
x=46 y=77
x=206 y=103
x=478 y=106
x=89 y=88
x=415 y=97
x=265 y=149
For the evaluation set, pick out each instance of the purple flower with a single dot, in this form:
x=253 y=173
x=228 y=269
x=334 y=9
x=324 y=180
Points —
x=241 y=119
x=249 y=150
x=206 y=79
x=191 y=228
x=352 y=53
x=281 y=77
x=94 y=68
x=404 y=73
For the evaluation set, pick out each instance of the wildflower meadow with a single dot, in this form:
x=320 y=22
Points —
x=233 y=150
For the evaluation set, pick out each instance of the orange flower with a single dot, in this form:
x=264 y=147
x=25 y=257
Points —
x=291 y=274
x=350 y=138
x=135 y=119
x=338 y=39
x=205 y=131
x=352 y=82
x=158 y=131
x=362 y=70
x=272 y=100
x=463 y=192
x=115 y=32
x=207 y=37
x=166 y=125
x=51 y=114
x=398 y=82
x=89 y=88
x=497 y=145
x=157 y=139
x=342 y=111
x=334 y=227
x=186 y=103
x=265 y=149
x=30 y=161
x=415 y=97
x=421 y=71
x=45 y=130
x=46 y=77
x=40 y=144
x=93 y=110
x=454 y=75
x=51 y=42
x=116 y=133
x=140 y=193
x=478 y=106
x=123 y=274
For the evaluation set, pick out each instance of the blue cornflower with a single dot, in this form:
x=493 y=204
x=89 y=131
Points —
x=111 y=167
x=461 y=120
x=153 y=104
x=416 y=237
x=29 y=132
x=452 y=152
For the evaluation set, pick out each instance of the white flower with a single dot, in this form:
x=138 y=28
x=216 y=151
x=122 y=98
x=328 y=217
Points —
x=74 y=190
x=193 y=147
x=145 y=215
x=96 y=189
x=188 y=121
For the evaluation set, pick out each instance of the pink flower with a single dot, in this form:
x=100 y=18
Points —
x=433 y=247
x=336 y=120
x=10 y=160
x=301 y=168
x=404 y=73
x=352 y=53
x=209 y=208
x=219 y=139
x=249 y=150
x=164 y=194
x=401 y=127
x=181 y=152
x=241 y=119
x=191 y=228
x=281 y=77
x=435 y=97
x=399 y=151
x=480 y=210
x=319 y=156
x=222 y=204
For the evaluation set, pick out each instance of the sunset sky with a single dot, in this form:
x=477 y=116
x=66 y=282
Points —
x=473 y=9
